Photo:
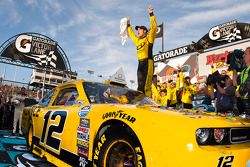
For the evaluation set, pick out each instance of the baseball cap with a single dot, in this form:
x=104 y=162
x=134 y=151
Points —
x=141 y=27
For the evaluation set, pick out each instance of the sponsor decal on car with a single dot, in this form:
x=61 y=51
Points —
x=83 y=129
x=79 y=102
x=83 y=136
x=83 y=162
x=84 y=111
x=82 y=144
x=119 y=114
x=83 y=152
x=84 y=122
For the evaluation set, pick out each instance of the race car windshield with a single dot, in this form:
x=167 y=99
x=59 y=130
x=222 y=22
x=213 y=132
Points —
x=99 y=93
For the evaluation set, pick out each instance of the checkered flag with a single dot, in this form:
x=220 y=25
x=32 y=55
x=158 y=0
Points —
x=51 y=59
x=44 y=60
x=232 y=36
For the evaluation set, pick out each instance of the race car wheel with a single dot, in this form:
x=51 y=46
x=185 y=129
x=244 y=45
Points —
x=29 y=136
x=118 y=150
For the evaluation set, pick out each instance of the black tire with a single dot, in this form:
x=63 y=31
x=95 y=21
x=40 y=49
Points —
x=29 y=138
x=118 y=149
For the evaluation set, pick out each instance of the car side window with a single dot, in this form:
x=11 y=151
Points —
x=66 y=97
x=46 y=99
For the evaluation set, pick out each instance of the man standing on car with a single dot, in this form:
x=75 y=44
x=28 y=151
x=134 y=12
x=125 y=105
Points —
x=144 y=44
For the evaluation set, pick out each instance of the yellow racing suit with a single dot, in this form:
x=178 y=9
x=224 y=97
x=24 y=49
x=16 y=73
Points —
x=171 y=95
x=144 y=48
x=188 y=91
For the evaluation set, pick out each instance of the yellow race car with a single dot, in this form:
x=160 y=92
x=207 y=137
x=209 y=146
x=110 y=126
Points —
x=82 y=123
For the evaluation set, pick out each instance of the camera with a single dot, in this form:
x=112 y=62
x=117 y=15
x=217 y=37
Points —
x=235 y=60
x=216 y=77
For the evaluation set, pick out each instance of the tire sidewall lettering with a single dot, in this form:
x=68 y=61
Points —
x=97 y=151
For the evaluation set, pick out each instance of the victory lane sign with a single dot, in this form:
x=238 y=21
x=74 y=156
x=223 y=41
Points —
x=34 y=45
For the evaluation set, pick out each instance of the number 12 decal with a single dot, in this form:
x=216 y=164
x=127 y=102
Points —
x=51 y=141
x=225 y=161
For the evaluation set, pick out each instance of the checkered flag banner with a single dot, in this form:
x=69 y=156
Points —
x=44 y=60
x=232 y=36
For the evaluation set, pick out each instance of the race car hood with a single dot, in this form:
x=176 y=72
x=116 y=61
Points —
x=157 y=115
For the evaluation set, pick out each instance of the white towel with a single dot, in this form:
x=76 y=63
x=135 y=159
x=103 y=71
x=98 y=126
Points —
x=124 y=31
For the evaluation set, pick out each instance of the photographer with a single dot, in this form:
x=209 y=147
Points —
x=225 y=93
x=244 y=83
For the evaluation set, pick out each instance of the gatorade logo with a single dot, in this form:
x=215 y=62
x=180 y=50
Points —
x=23 y=43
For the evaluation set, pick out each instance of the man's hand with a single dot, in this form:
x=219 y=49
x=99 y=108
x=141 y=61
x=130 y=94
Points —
x=128 y=20
x=150 y=9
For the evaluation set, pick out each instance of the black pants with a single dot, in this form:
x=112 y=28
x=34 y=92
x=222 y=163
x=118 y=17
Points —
x=144 y=76
x=246 y=106
x=188 y=106
x=172 y=105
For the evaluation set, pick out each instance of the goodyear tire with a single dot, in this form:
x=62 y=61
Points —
x=29 y=138
x=118 y=150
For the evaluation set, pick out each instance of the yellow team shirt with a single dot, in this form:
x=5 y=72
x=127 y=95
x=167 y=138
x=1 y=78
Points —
x=171 y=92
x=155 y=93
x=163 y=100
x=188 y=90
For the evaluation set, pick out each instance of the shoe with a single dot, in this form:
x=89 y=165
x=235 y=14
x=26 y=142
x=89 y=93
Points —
x=12 y=134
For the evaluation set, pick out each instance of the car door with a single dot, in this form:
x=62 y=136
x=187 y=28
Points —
x=62 y=124
x=40 y=120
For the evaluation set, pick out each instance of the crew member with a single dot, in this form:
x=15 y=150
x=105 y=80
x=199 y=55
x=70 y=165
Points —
x=189 y=90
x=244 y=82
x=144 y=44
x=172 y=89
x=18 y=101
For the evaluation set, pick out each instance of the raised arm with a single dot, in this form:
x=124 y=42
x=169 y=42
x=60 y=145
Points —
x=153 y=25
x=131 y=32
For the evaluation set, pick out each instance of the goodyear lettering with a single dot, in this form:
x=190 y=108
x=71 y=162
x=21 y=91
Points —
x=139 y=157
x=119 y=114
x=98 y=148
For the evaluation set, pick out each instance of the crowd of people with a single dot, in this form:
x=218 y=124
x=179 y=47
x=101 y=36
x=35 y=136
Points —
x=227 y=94
x=12 y=102
x=219 y=92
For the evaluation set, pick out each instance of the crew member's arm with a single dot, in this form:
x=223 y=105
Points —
x=153 y=25
x=19 y=98
x=210 y=89
x=230 y=91
x=181 y=78
x=169 y=92
x=220 y=89
x=155 y=93
x=235 y=76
